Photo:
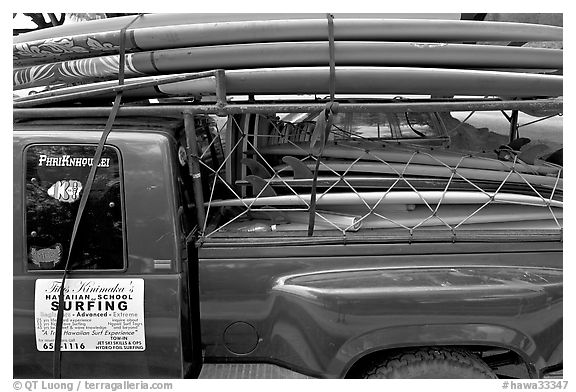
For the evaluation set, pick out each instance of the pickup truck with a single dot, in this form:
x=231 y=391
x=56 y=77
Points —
x=160 y=286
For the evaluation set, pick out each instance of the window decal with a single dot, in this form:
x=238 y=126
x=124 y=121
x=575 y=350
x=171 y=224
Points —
x=46 y=257
x=70 y=161
x=67 y=191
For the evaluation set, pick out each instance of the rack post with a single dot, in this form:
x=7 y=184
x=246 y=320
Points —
x=194 y=167
x=514 y=125
x=220 y=87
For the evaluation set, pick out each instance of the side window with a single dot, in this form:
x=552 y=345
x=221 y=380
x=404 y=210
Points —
x=55 y=178
x=349 y=126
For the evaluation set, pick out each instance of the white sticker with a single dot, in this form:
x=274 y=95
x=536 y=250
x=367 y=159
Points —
x=48 y=257
x=99 y=314
x=70 y=161
x=67 y=191
x=182 y=157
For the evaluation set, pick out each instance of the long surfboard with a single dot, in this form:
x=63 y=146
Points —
x=411 y=169
x=359 y=217
x=540 y=224
x=400 y=197
x=370 y=80
x=288 y=54
x=151 y=32
x=349 y=80
x=391 y=153
x=379 y=182
x=302 y=177
x=422 y=216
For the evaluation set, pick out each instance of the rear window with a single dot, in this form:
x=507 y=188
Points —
x=55 y=179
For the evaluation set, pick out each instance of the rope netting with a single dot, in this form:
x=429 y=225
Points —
x=260 y=181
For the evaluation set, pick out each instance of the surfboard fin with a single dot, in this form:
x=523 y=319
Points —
x=301 y=171
x=256 y=168
x=261 y=186
x=532 y=153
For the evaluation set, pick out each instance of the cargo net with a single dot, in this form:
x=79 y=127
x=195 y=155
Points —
x=356 y=173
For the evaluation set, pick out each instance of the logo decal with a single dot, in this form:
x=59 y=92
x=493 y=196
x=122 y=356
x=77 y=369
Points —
x=46 y=257
x=70 y=161
x=67 y=191
x=182 y=158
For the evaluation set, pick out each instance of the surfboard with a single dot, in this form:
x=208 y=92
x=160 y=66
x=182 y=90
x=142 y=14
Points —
x=541 y=224
x=434 y=171
x=380 y=182
x=288 y=54
x=370 y=80
x=385 y=217
x=303 y=176
x=454 y=215
x=400 y=197
x=420 y=212
x=377 y=151
x=349 y=80
x=151 y=32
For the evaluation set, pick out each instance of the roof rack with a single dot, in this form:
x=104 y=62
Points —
x=56 y=96
x=548 y=105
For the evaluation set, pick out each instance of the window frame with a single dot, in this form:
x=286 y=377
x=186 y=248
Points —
x=435 y=119
x=24 y=212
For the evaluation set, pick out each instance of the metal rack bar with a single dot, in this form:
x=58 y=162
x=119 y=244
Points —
x=269 y=108
x=54 y=96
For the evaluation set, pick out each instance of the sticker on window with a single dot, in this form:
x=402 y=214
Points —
x=70 y=161
x=182 y=158
x=99 y=314
x=46 y=257
x=67 y=191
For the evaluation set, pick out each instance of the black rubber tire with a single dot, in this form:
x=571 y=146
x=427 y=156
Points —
x=429 y=363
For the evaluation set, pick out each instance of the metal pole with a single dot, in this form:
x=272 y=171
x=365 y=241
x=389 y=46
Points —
x=383 y=107
x=220 y=87
x=194 y=167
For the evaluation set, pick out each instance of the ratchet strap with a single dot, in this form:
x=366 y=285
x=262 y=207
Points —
x=324 y=123
x=57 y=363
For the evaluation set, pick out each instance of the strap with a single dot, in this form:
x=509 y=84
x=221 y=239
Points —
x=57 y=364
x=81 y=207
x=331 y=49
x=328 y=113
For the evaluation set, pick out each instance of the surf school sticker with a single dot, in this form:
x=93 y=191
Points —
x=46 y=257
x=99 y=314
x=67 y=191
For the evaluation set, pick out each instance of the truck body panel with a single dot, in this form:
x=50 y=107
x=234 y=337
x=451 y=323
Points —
x=320 y=310
x=154 y=255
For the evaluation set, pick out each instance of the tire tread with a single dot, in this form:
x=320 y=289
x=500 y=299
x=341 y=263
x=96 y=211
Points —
x=396 y=365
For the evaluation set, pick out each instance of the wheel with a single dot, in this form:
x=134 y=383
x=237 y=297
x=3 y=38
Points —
x=431 y=363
